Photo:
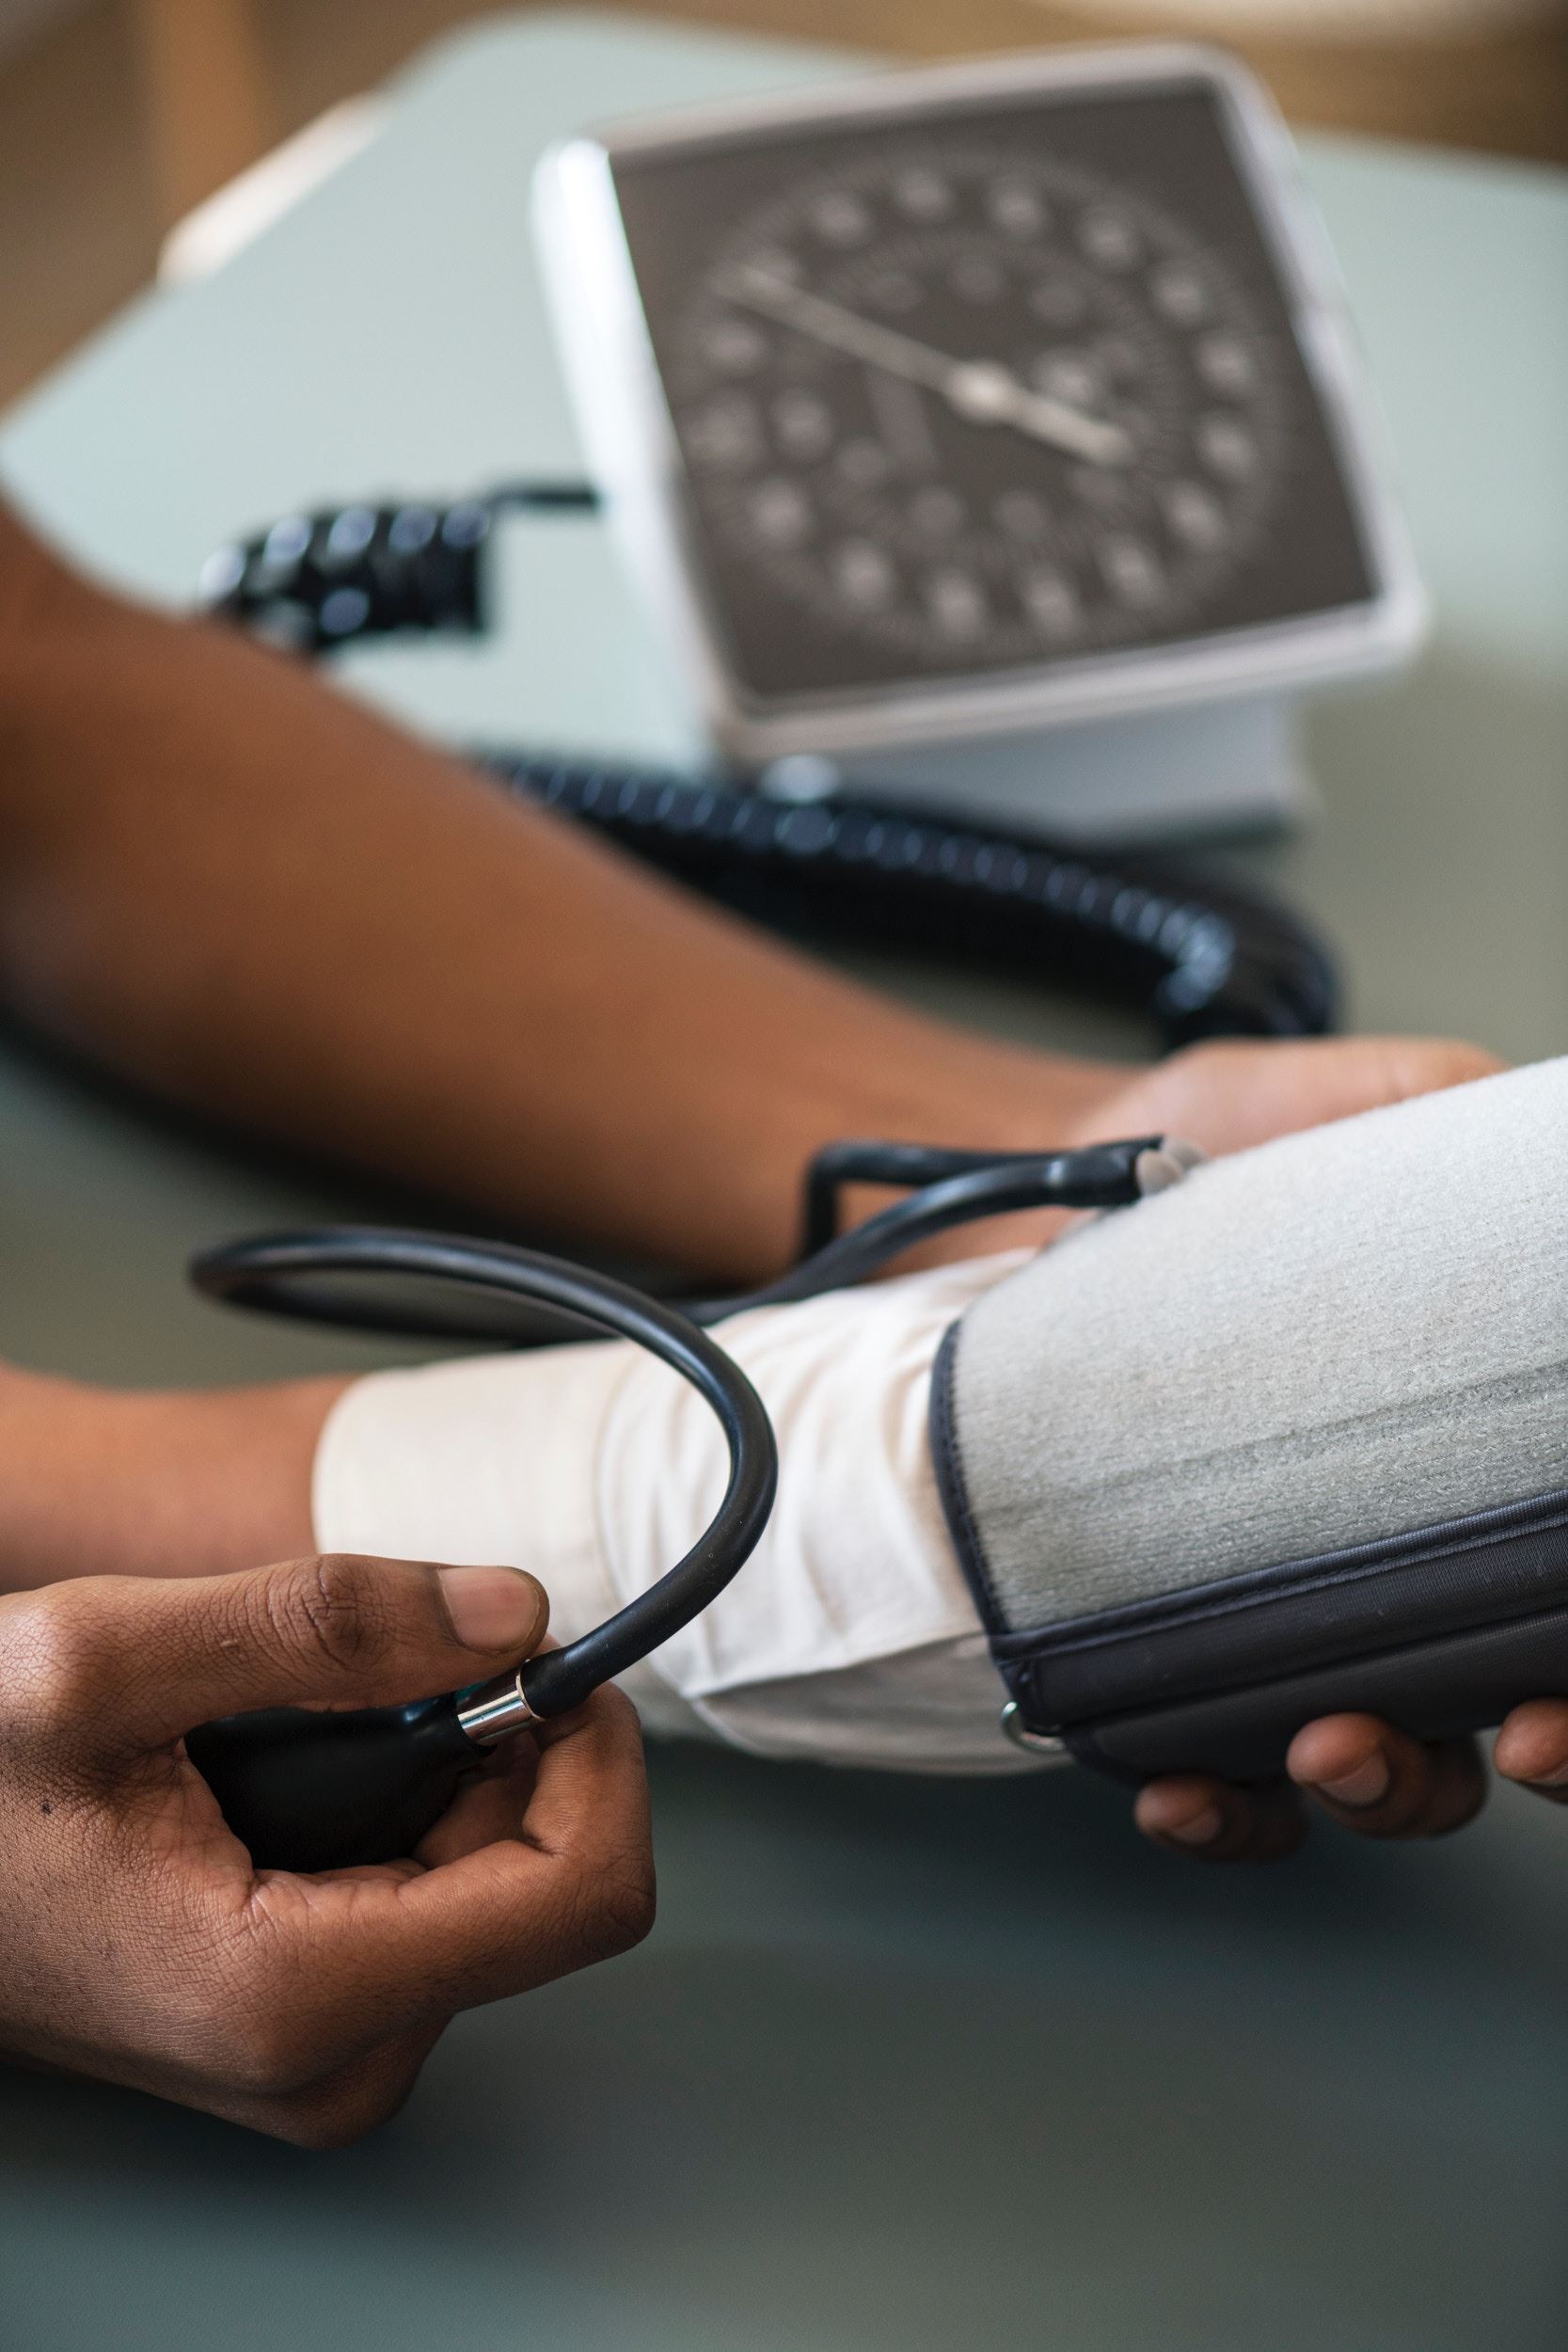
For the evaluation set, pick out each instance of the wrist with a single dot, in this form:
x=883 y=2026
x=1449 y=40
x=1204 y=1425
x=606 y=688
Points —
x=971 y=1093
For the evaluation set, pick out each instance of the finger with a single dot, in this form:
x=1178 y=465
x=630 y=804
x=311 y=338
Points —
x=1382 y=1783
x=1229 y=1097
x=137 y=1661
x=573 y=1884
x=1211 y=1821
x=1336 y=1077
x=597 y=1749
x=1533 y=1748
x=490 y=1805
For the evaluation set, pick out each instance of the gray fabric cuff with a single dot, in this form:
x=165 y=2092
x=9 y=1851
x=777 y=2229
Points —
x=1309 y=1404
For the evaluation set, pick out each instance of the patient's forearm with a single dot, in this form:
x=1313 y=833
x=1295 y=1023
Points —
x=103 y=1482
x=240 y=887
x=1348 y=1336
x=849 y=1636
x=1352 y=1333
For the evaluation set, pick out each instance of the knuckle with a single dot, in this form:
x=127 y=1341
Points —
x=600 y=1908
x=621 y=1907
x=635 y=1914
x=59 y=1665
x=329 y=1610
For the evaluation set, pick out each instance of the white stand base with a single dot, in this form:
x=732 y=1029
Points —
x=1224 y=767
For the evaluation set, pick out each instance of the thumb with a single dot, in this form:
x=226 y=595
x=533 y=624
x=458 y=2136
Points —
x=151 y=1659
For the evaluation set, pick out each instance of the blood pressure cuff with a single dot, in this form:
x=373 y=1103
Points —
x=1289 y=1439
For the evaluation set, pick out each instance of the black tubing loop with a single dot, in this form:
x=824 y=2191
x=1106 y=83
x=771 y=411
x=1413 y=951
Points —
x=1099 y=1176
x=285 y=1274
x=1096 y=1177
x=260 y=1273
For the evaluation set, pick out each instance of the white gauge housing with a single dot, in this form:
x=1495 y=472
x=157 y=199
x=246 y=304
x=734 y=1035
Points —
x=635 y=453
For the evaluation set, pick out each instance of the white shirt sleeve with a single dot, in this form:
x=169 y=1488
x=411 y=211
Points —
x=849 y=1636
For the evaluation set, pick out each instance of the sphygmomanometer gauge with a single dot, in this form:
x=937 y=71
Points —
x=976 y=398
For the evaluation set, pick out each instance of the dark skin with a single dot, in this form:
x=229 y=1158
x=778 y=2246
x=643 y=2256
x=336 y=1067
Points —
x=229 y=883
x=141 y=1944
x=1365 y=1776
x=234 y=886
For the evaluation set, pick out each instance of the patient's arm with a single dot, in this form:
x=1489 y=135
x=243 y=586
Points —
x=1349 y=1335
x=101 y=1481
x=852 y=1635
x=237 y=886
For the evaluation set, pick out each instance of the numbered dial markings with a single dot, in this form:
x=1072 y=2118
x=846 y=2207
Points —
x=977 y=399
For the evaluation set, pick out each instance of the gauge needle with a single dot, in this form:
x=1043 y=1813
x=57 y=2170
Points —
x=982 y=391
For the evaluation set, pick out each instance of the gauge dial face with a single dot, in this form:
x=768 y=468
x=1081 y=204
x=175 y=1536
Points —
x=969 y=402
x=977 y=400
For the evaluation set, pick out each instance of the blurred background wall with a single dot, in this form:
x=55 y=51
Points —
x=116 y=116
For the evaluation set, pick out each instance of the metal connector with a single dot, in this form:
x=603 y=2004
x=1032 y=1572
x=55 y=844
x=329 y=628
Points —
x=1166 y=1164
x=492 y=1710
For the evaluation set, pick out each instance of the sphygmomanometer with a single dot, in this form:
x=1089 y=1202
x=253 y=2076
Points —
x=997 y=407
x=998 y=421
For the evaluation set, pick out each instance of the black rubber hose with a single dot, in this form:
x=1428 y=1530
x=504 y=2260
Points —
x=259 y=1274
x=284 y=1275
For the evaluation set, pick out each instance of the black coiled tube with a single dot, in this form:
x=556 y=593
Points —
x=1199 y=957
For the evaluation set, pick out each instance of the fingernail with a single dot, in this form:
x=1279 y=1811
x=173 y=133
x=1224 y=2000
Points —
x=1201 y=1830
x=1367 y=1784
x=492 y=1608
x=1555 y=1778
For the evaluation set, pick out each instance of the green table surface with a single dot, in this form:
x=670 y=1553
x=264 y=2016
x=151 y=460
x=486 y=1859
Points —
x=904 y=2064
